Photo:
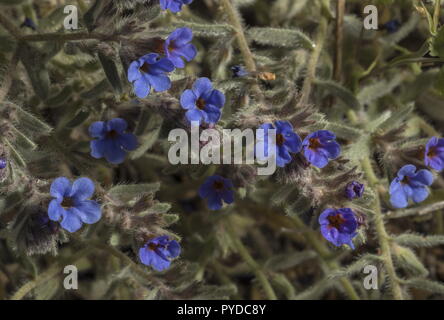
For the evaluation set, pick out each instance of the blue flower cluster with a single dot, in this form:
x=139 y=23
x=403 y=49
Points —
x=410 y=184
x=318 y=147
x=150 y=71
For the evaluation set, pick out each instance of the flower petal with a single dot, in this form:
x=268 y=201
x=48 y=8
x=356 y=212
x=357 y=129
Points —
x=97 y=148
x=128 y=141
x=159 y=82
x=188 y=99
x=82 y=189
x=216 y=99
x=71 y=221
x=202 y=86
x=89 y=211
x=142 y=88
x=114 y=152
x=60 y=187
x=117 y=124
x=55 y=210
x=134 y=71
x=97 y=129
x=194 y=115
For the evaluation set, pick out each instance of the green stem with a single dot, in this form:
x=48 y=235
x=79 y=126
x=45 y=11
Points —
x=236 y=22
x=381 y=232
x=9 y=26
x=56 y=36
x=313 y=61
x=257 y=270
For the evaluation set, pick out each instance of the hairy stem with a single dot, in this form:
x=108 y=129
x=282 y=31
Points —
x=10 y=26
x=236 y=22
x=56 y=36
x=381 y=232
x=313 y=61
x=255 y=267
x=340 y=10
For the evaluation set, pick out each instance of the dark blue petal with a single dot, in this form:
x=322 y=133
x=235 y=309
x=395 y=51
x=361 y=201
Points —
x=212 y=114
x=114 y=152
x=128 y=141
x=117 y=124
x=97 y=129
x=97 y=148
x=293 y=142
x=216 y=99
x=214 y=202
x=174 y=249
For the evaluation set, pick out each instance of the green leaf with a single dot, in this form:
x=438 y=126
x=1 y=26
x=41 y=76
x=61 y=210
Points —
x=129 y=191
x=34 y=62
x=288 y=260
x=437 y=48
x=283 y=38
x=111 y=71
x=148 y=139
x=418 y=241
x=339 y=91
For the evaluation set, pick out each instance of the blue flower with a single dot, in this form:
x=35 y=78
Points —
x=3 y=163
x=178 y=45
x=111 y=140
x=354 y=190
x=410 y=184
x=71 y=203
x=215 y=189
x=339 y=226
x=149 y=71
x=392 y=26
x=202 y=102
x=239 y=71
x=286 y=141
x=434 y=154
x=320 y=147
x=158 y=252
x=174 y=5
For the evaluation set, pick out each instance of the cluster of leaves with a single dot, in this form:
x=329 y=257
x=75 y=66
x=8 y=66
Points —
x=382 y=98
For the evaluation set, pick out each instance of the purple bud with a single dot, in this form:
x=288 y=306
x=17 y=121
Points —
x=3 y=163
x=354 y=190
